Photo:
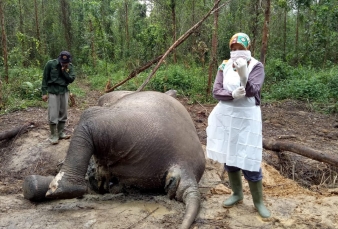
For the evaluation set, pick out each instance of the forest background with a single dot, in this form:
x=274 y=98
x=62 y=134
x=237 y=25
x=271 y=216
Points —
x=297 y=41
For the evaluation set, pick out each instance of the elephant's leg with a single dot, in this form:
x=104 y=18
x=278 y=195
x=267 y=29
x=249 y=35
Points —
x=70 y=181
x=35 y=187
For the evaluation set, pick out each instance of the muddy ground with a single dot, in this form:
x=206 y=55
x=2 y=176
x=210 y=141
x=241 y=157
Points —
x=300 y=192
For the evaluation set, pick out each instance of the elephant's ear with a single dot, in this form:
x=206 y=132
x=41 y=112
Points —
x=172 y=181
x=172 y=93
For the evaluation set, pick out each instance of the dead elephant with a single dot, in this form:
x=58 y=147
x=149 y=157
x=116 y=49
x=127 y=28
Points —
x=144 y=139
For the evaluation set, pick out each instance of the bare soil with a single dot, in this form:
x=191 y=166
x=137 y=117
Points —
x=300 y=192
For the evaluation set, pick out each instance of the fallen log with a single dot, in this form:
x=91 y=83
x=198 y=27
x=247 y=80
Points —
x=15 y=131
x=305 y=151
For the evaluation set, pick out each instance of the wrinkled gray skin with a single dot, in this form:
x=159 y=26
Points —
x=145 y=140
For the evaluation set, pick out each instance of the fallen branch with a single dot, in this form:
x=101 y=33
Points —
x=133 y=74
x=278 y=146
x=149 y=214
x=178 y=42
x=15 y=131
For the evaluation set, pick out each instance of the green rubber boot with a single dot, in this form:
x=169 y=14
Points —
x=235 y=179
x=54 y=138
x=257 y=197
x=61 y=128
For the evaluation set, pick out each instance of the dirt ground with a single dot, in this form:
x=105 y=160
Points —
x=300 y=192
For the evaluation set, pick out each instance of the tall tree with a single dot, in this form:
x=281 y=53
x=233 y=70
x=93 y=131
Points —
x=213 y=59
x=126 y=12
x=4 y=39
x=254 y=24
x=92 y=42
x=37 y=25
x=172 y=5
x=66 y=22
x=265 y=34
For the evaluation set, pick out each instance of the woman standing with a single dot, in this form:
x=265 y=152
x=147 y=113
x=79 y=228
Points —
x=234 y=132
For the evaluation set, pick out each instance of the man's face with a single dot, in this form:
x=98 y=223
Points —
x=64 y=65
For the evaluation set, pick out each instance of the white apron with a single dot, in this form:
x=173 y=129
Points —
x=234 y=132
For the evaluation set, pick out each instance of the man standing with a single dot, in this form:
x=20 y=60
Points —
x=57 y=74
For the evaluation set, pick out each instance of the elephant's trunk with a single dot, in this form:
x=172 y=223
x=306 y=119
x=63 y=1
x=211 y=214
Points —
x=35 y=187
x=192 y=199
x=70 y=181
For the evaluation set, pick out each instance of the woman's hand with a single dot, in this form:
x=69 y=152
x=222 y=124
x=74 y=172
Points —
x=239 y=92
x=241 y=66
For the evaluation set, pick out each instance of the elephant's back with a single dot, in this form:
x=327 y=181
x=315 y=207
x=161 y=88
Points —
x=148 y=132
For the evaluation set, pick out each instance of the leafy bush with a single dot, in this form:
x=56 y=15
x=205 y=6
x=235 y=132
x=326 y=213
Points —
x=307 y=84
x=187 y=81
x=277 y=70
x=24 y=90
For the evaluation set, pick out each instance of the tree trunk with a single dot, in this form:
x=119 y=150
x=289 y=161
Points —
x=173 y=15
x=213 y=59
x=21 y=30
x=4 y=39
x=265 y=35
x=37 y=26
x=127 y=23
x=92 y=42
x=278 y=146
x=254 y=28
x=297 y=34
x=284 y=34
x=65 y=13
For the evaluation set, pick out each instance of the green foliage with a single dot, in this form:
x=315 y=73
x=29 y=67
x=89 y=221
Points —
x=190 y=82
x=24 y=90
x=319 y=87
x=277 y=70
x=174 y=77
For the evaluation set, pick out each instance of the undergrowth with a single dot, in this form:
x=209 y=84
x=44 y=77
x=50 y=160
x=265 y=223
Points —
x=318 y=87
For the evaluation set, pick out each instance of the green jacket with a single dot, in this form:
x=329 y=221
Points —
x=54 y=80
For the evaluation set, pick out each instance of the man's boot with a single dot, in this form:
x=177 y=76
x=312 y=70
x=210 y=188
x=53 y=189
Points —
x=235 y=179
x=54 y=138
x=61 y=128
x=257 y=197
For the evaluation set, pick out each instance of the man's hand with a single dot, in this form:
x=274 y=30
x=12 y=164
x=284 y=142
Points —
x=64 y=67
x=45 y=98
x=239 y=92
x=241 y=66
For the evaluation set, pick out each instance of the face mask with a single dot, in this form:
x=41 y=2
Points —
x=245 y=54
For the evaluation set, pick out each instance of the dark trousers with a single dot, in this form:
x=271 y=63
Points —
x=249 y=175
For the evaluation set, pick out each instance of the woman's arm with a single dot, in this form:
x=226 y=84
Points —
x=219 y=92
x=255 y=80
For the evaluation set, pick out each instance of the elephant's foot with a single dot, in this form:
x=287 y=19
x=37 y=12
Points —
x=63 y=188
